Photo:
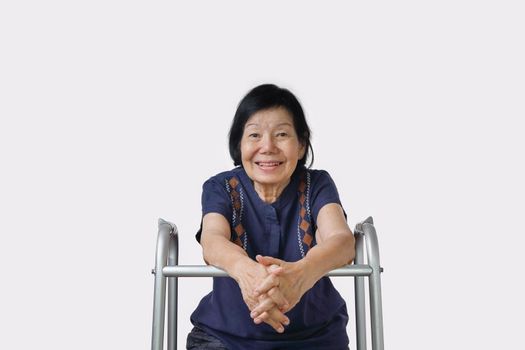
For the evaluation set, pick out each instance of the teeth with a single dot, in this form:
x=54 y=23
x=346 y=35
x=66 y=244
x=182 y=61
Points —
x=268 y=164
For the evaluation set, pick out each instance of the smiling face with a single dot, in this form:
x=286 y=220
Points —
x=270 y=150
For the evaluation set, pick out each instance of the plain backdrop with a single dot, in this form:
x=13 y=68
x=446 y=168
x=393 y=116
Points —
x=113 y=114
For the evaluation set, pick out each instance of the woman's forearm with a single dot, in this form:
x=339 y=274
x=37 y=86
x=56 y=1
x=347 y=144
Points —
x=224 y=254
x=334 y=252
x=296 y=278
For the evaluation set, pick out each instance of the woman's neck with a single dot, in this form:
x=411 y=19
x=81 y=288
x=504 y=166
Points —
x=270 y=193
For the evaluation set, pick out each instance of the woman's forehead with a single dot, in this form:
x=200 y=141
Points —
x=275 y=117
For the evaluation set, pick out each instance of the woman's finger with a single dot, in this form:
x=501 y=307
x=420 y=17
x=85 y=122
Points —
x=274 y=269
x=268 y=260
x=278 y=298
x=274 y=318
x=268 y=283
x=264 y=305
x=279 y=328
x=278 y=316
x=267 y=303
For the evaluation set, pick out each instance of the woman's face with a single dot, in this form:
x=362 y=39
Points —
x=270 y=148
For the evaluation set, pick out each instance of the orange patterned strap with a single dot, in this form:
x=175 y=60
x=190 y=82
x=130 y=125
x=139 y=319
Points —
x=304 y=227
x=237 y=198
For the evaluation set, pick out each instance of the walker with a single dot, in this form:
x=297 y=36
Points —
x=167 y=267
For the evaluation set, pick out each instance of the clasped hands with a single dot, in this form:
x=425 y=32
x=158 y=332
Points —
x=273 y=288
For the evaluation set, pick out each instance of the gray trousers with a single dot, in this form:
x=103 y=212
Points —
x=200 y=340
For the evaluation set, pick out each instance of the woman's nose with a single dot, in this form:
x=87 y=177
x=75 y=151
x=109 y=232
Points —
x=267 y=144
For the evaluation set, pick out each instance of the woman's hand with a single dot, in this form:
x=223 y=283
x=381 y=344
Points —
x=335 y=248
x=249 y=275
x=219 y=251
x=289 y=280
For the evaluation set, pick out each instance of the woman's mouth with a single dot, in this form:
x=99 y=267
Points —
x=268 y=165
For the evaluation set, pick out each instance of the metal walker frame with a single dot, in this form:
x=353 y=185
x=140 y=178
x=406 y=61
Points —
x=167 y=267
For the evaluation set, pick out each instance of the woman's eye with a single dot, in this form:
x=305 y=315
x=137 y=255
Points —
x=253 y=135
x=282 y=134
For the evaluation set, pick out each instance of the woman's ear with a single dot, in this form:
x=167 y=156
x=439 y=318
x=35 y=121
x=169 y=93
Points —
x=303 y=141
x=302 y=149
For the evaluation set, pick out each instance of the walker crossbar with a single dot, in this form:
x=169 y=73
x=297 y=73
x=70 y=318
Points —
x=211 y=271
x=166 y=266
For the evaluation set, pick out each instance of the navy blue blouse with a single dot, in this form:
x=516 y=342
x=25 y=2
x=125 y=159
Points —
x=284 y=229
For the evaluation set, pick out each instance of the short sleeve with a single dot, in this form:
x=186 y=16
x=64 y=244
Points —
x=215 y=199
x=324 y=192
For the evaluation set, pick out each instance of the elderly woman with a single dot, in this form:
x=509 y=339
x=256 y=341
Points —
x=276 y=227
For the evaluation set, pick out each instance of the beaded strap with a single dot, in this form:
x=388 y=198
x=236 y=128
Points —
x=239 y=235
x=305 y=237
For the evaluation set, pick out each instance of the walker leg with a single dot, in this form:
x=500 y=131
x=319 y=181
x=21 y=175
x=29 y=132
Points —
x=359 y=286
x=173 y=260
x=159 y=296
x=376 y=311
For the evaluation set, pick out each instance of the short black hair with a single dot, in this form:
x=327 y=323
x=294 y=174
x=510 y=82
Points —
x=268 y=96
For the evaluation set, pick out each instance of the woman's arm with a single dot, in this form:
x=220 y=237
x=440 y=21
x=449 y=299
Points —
x=215 y=242
x=335 y=243
x=219 y=251
x=335 y=248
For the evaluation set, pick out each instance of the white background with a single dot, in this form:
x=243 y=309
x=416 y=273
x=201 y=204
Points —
x=113 y=113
